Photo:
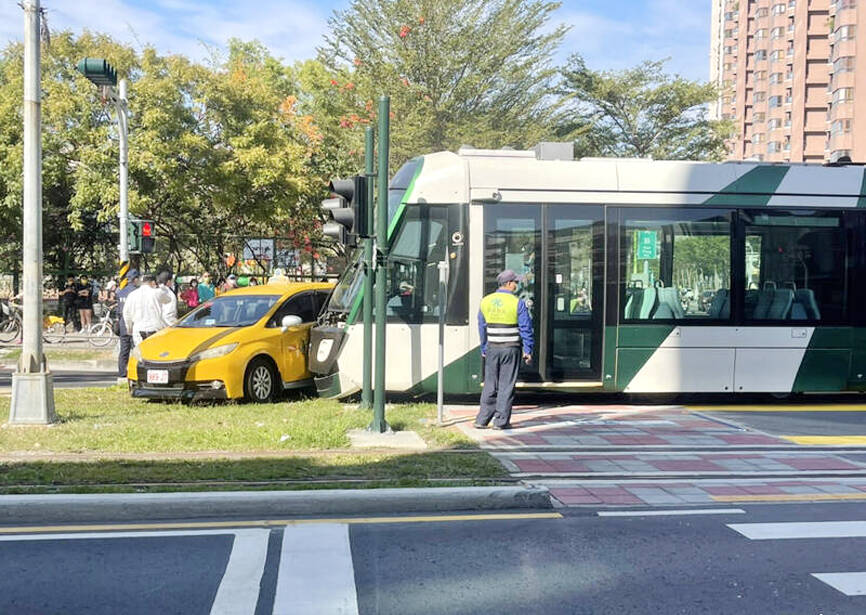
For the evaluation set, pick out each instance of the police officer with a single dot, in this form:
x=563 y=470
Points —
x=505 y=327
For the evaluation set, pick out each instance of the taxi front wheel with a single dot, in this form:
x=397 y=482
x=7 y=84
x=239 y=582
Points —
x=260 y=381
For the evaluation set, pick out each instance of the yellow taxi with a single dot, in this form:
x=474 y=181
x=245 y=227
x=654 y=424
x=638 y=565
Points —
x=248 y=343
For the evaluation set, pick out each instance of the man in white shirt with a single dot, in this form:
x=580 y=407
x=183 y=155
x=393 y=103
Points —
x=143 y=310
x=165 y=280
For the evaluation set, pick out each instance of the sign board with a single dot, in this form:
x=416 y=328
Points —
x=647 y=248
x=258 y=249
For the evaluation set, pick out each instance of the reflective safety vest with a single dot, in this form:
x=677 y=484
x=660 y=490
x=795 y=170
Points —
x=500 y=314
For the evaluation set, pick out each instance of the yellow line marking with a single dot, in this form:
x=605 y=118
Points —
x=826 y=440
x=269 y=523
x=782 y=408
x=789 y=497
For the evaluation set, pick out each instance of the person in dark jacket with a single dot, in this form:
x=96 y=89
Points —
x=85 y=303
x=133 y=280
x=69 y=302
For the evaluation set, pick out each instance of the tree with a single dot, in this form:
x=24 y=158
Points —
x=458 y=71
x=641 y=112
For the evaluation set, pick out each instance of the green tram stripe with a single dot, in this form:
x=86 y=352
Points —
x=391 y=228
x=753 y=189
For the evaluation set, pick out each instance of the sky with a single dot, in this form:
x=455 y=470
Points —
x=610 y=34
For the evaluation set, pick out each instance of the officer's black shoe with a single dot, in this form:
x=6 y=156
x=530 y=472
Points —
x=477 y=426
x=501 y=427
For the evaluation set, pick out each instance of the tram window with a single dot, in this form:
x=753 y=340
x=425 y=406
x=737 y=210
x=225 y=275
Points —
x=795 y=266
x=676 y=263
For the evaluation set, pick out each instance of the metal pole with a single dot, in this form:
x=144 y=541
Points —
x=379 y=425
x=443 y=305
x=32 y=384
x=123 y=214
x=369 y=170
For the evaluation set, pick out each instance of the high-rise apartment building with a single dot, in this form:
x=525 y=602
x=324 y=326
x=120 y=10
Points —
x=788 y=73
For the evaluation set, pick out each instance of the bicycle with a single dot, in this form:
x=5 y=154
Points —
x=10 y=322
x=101 y=333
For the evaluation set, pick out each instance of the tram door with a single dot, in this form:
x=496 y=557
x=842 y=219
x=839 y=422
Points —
x=559 y=249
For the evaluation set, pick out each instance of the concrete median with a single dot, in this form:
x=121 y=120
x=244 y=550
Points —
x=78 y=508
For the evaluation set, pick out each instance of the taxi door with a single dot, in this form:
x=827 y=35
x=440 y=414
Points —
x=292 y=357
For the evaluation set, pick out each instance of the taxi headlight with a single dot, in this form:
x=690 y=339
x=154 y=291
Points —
x=213 y=353
x=136 y=353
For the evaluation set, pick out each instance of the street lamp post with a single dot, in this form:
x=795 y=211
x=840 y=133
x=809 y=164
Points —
x=32 y=385
x=102 y=74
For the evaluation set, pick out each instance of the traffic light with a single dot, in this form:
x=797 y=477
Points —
x=141 y=236
x=98 y=71
x=347 y=210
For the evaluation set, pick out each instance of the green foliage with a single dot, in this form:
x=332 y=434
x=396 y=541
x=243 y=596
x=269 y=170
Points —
x=457 y=71
x=641 y=112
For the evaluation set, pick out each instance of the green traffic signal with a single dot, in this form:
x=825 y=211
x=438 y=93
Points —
x=98 y=71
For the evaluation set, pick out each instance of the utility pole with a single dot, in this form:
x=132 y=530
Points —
x=32 y=384
x=369 y=170
x=379 y=425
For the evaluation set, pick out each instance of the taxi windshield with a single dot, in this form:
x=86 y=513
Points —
x=230 y=311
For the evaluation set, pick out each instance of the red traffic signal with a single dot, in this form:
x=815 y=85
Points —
x=146 y=229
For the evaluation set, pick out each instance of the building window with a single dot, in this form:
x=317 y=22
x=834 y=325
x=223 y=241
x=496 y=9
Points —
x=778 y=9
x=760 y=75
x=840 y=127
x=774 y=124
x=774 y=147
x=795 y=266
x=777 y=32
x=840 y=153
x=774 y=101
x=843 y=95
x=759 y=97
x=757 y=138
x=732 y=16
x=789 y=75
x=759 y=116
x=762 y=33
x=760 y=54
x=762 y=12
x=776 y=78
x=845 y=64
x=777 y=56
x=845 y=33
x=677 y=264
x=787 y=119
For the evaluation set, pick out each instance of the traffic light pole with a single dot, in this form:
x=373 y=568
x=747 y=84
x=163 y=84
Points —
x=369 y=170
x=122 y=126
x=32 y=385
x=379 y=425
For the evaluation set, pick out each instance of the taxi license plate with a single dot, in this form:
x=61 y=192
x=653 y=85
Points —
x=157 y=376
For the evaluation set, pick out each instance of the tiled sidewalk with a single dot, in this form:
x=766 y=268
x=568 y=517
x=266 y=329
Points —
x=709 y=464
x=703 y=492
x=617 y=426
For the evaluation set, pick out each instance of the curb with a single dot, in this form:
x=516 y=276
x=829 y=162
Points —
x=151 y=506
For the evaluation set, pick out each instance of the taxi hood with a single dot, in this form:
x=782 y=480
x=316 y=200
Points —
x=179 y=343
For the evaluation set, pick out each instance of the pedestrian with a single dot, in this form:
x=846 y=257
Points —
x=123 y=332
x=85 y=303
x=189 y=295
x=505 y=328
x=143 y=311
x=165 y=282
x=254 y=281
x=230 y=283
x=205 y=288
x=69 y=303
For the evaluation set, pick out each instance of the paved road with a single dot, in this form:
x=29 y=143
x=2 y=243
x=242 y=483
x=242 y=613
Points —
x=68 y=379
x=762 y=559
x=787 y=422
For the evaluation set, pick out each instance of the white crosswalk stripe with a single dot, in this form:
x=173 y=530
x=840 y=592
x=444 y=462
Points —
x=848 y=583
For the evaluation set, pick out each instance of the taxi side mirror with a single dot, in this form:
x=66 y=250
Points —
x=290 y=321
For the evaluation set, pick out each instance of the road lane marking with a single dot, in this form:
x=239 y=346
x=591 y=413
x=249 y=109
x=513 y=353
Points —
x=660 y=513
x=849 y=583
x=45 y=529
x=805 y=529
x=827 y=440
x=781 y=408
x=789 y=497
x=238 y=591
x=316 y=573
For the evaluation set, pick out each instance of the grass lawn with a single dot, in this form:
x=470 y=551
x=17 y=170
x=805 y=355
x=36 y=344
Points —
x=59 y=353
x=94 y=422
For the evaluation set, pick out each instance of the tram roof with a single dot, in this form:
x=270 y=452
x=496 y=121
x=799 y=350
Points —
x=518 y=176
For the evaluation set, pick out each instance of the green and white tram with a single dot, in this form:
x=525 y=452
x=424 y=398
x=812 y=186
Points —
x=642 y=276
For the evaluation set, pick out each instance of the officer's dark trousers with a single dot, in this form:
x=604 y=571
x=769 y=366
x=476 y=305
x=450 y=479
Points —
x=500 y=376
x=123 y=356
